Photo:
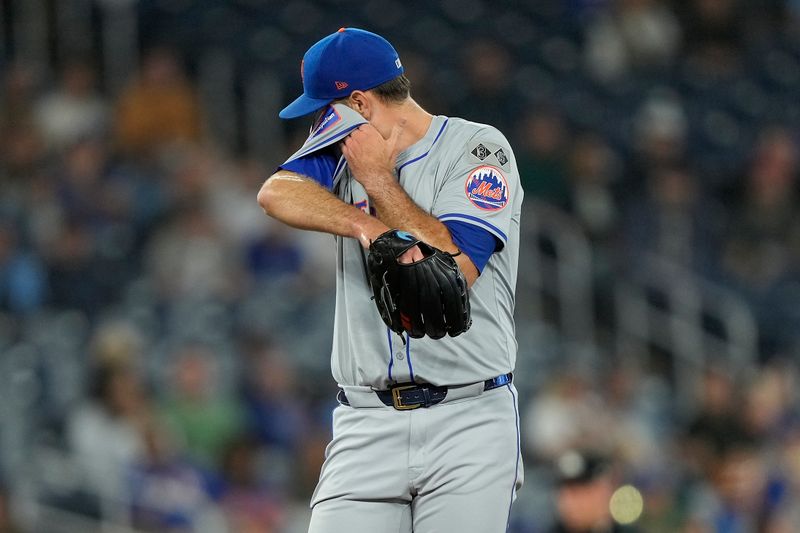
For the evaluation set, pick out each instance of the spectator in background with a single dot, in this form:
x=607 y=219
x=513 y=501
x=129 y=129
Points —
x=542 y=156
x=197 y=409
x=75 y=279
x=21 y=147
x=167 y=493
x=639 y=406
x=659 y=136
x=593 y=174
x=18 y=99
x=770 y=402
x=74 y=111
x=418 y=67
x=715 y=420
x=727 y=452
x=230 y=194
x=7 y=522
x=716 y=31
x=104 y=433
x=276 y=417
x=159 y=108
x=274 y=254
x=81 y=182
x=187 y=257
x=585 y=482
x=736 y=495
x=631 y=34
x=762 y=247
x=116 y=342
x=488 y=67
x=786 y=515
x=568 y=414
x=90 y=235
x=250 y=505
x=23 y=282
x=673 y=222
x=764 y=238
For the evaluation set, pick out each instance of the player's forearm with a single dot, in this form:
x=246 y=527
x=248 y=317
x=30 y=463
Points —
x=302 y=203
x=397 y=210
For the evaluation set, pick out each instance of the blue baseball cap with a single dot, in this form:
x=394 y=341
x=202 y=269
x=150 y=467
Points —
x=348 y=60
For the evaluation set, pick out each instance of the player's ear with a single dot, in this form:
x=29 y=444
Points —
x=360 y=103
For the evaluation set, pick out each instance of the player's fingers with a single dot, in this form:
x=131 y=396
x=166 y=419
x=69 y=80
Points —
x=346 y=151
x=412 y=255
x=365 y=131
x=350 y=143
x=370 y=134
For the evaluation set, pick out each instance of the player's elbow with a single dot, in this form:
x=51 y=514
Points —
x=268 y=197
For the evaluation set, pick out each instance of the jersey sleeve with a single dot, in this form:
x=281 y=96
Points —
x=479 y=189
x=320 y=166
x=332 y=126
x=477 y=243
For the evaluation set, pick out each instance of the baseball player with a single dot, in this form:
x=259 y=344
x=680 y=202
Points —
x=425 y=210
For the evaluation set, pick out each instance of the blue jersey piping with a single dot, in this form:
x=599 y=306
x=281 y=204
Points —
x=471 y=218
x=391 y=352
x=401 y=167
x=408 y=357
x=516 y=467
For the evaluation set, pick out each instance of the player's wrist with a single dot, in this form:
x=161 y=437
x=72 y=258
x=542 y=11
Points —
x=378 y=182
x=367 y=228
x=385 y=189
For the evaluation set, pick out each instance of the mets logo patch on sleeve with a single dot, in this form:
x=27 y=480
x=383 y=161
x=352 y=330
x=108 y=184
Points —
x=487 y=188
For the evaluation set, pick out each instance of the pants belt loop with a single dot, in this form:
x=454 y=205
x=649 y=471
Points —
x=426 y=393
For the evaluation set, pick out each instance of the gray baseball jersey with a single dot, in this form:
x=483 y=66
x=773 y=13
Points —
x=459 y=171
x=455 y=466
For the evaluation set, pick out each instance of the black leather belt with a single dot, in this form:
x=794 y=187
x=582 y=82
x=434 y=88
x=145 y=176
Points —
x=406 y=396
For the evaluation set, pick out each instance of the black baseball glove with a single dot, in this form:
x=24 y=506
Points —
x=428 y=297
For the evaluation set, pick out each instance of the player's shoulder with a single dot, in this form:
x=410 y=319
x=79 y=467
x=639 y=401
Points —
x=482 y=144
x=475 y=127
x=476 y=130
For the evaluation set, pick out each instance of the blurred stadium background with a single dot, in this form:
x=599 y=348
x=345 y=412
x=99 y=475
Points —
x=164 y=347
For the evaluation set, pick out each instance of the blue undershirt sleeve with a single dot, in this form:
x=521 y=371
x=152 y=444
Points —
x=319 y=166
x=479 y=244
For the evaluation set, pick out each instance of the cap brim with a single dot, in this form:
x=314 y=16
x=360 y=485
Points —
x=302 y=106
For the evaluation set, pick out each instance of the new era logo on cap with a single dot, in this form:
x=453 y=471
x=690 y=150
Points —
x=364 y=59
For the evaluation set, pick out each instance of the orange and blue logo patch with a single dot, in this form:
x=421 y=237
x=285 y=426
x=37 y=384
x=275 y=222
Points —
x=326 y=121
x=487 y=188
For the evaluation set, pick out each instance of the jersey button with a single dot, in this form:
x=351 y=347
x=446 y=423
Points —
x=399 y=355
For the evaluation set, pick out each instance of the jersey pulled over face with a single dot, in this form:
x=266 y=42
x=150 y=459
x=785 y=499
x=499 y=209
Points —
x=459 y=172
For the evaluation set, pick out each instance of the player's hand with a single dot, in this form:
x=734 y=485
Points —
x=412 y=255
x=370 y=157
x=372 y=228
x=375 y=229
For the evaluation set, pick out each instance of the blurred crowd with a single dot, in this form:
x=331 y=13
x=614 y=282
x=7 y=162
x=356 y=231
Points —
x=100 y=196
x=197 y=329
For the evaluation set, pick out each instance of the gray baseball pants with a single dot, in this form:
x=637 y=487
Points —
x=451 y=467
